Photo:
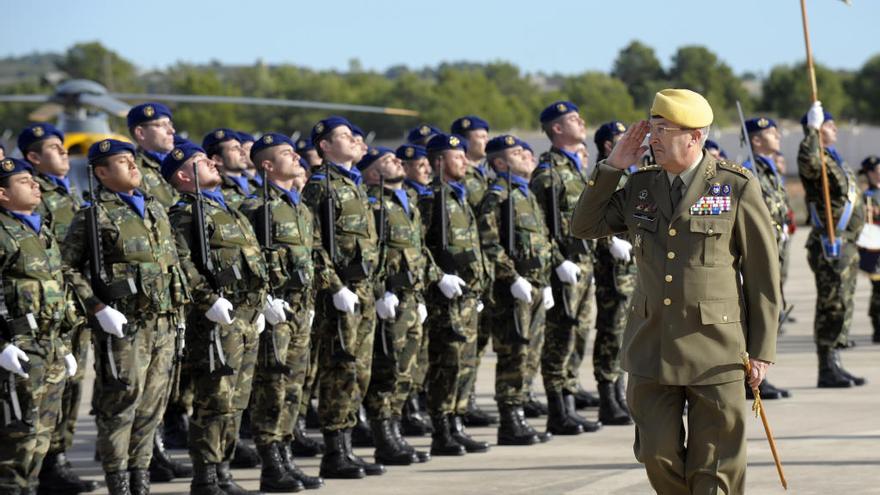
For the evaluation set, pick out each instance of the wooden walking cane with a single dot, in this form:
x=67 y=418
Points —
x=758 y=407
x=811 y=71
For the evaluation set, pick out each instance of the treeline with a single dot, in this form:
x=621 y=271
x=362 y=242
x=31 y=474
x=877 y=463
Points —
x=498 y=91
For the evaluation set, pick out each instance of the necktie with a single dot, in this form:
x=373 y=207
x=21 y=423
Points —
x=677 y=192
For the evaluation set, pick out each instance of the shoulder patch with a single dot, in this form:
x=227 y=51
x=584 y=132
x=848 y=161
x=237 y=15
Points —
x=733 y=167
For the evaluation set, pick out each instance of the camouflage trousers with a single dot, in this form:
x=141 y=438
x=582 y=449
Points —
x=484 y=335
x=835 y=287
x=25 y=445
x=62 y=435
x=581 y=334
x=127 y=418
x=517 y=360
x=568 y=324
x=277 y=395
x=309 y=384
x=452 y=348
x=615 y=282
x=343 y=381
x=220 y=400
x=394 y=359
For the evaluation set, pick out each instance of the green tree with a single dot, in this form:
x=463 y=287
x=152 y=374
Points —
x=601 y=98
x=94 y=61
x=640 y=70
x=698 y=69
x=787 y=91
x=864 y=89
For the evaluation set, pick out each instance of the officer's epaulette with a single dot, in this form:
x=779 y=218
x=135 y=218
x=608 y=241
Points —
x=734 y=167
x=648 y=168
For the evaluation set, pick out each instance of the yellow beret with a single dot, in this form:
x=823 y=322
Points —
x=683 y=107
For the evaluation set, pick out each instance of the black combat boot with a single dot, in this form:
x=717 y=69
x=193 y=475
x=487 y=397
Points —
x=309 y=482
x=413 y=423
x=204 y=481
x=858 y=381
x=302 y=444
x=312 y=419
x=117 y=483
x=388 y=451
x=543 y=437
x=162 y=467
x=245 y=428
x=335 y=464
x=274 y=477
x=512 y=430
x=610 y=412
x=57 y=477
x=361 y=436
x=175 y=429
x=587 y=425
x=474 y=416
x=419 y=455
x=584 y=399
x=470 y=445
x=619 y=394
x=139 y=481
x=534 y=408
x=244 y=457
x=830 y=375
x=558 y=422
x=226 y=483
x=372 y=469
x=442 y=442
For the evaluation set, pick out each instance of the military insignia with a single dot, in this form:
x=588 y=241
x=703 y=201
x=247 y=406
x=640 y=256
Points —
x=716 y=189
x=561 y=107
x=509 y=140
x=762 y=123
x=711 y=205
x=319 y=127
x=454 y=141
x=465 y=123
x=424 y=130
x=269 y=139
x=219 y=134
x=374 y=152
x=410 y=152
x=177 y=154
x=38 y=131
x=149 y=111
x=300 y=144
x=621 y=127
x=104 y=146
x=643 y=194
x=725 y=189
x=7 y=165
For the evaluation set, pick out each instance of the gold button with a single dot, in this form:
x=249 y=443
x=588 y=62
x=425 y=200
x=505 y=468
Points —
x=724 y=317
x=667 y=301
x=670 y=255
x=672 y=232
x=592 y=182
x=710 y=231
x=669 y=278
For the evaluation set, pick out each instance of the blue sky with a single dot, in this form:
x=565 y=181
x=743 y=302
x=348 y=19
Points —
x=565 y=36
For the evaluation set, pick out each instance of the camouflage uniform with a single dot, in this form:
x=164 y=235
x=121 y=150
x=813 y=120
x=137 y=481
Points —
x=152 y=182
x=32 y=267
x=277 y=396
x=835 y=278
x=531 y=261
x=773 y=191
x=568 y=321
x=408 y=267
x=425 y=201
x=142 y=249
x=220 y=400
x=234 y=192
x=343 y=383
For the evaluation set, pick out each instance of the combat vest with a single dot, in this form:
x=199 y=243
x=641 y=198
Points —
x=233 y=194
x=152 y=182
x=463 y=255
x=557 y=168
x=476 y=181
x=57 y=206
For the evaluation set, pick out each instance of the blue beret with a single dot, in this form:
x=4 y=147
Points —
x=109 y=147
x=269 y=140
x=525 y=145
x=712 y=145
x=444 y=142
x=468 y=123
x=608 y=130
x=828 y=116
x=424 y=131
x=326 y=126
x=759 y=124
x=556 y=110
x=213 y=139
x=870 y=163
x=12 y=166
x=35 y=133
x=410 y=152
x=304 y=163
x=501 y=143
x=357 y=131
x=303 y=144
x=178 y=156
x=146 y=112
x=178 y=139
x=372 y=155
x=245 y=137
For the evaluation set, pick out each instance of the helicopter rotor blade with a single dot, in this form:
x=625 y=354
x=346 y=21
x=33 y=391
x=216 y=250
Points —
x=116 y=107
x=24 y=98
x=46 y=112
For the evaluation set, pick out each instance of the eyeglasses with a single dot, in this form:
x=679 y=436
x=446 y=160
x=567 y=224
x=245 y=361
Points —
x=661 y=130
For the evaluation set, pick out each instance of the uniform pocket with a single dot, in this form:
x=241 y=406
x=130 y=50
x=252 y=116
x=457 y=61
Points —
x=712 y=230
x=720 y=312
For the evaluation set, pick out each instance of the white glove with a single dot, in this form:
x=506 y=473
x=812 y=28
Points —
x=311 y=317
x=568 y=272
x=260 y=323
x=815 y=115
x=522 y=290
x=451 y=285
x=274 y=310
x=11 y=358
x=111 y=321
x=621 y=249
x=548 y=298
x=345 y=300
x=70 y=364
x=480 y=305
x=386 y=307
x=220 y=311
x=422 y=310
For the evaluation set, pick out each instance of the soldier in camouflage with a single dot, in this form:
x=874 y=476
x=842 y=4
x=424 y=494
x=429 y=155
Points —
x=153 y=132
x=34 y=356
x=223 y=146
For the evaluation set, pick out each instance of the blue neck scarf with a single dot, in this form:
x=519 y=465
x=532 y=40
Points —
x=258 y=180
x=155 y=156
x=242 y=182
x=292 y=196
x=135 y=201
x=34 y=221
x=353 y=173
x=458 y=190
x=574 y=158
x=215 y=195
x=481 y=169
x=421 y=190
x=403 y=198
x=832 y=150
x=517 y=182
x=63 y=182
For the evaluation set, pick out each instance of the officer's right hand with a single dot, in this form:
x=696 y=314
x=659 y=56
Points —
x=345 y=300
x=111 y=321
x=522 y=290
x=220 y=311
x=451 y=286
x=11 y=358
x=815 y=115
x=629 y=149
x=568 y=272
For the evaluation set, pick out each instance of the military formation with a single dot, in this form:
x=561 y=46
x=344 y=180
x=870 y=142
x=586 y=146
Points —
x=226 y=285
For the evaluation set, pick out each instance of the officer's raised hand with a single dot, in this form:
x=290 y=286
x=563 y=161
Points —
x=220 y=311
x=629 y=149
x=345 y=300
x=451 y=286
x=111 y=321
x=521 y=289
x=11 y=358
x=568 y=272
